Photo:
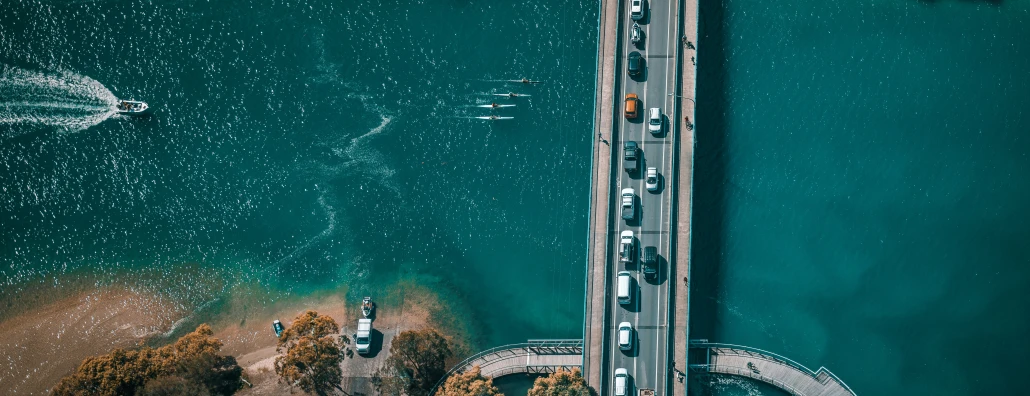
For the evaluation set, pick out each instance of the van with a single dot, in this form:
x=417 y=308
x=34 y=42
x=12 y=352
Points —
x=625 y=281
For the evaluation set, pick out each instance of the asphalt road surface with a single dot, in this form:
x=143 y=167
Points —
x=647 y=362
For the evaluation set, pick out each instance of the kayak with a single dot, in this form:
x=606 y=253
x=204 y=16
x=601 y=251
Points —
x=494 y=118
x=495 y=107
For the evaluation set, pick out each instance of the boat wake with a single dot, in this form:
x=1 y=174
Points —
x=66 y=101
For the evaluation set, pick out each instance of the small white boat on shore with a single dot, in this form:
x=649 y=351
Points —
x=367 y=306
x=132 y=107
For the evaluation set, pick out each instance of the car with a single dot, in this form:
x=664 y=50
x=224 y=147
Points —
x=629 y=204
x=652 y=179
x=630 y=157
x=621 y=382
x=649 y=261
x=631 y=106
x=636 y=10
x=654 y=121
x=625 y=336
x=626 y=247
x=636 y=64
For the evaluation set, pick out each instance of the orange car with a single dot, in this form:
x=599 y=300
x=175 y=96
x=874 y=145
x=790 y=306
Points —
x=631 y=106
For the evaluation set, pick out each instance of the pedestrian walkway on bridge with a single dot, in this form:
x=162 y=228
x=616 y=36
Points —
x=767 y=367
x=533 y=356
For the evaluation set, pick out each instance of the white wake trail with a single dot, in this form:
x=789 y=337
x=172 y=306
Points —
x=64 y=100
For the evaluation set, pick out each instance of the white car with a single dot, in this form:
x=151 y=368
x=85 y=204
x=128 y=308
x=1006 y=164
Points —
x=636 y=10
x=654 y=120
x=626 y=247
x=652 y=179
x=621 y=382
x=625 y=336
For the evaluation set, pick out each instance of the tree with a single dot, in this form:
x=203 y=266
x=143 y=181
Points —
x=419 y=357
x=191 y=363
x=561 y=383
x=171 y=385
x=469 y=383
x=310 y=354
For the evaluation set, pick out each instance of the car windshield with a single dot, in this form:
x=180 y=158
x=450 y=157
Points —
x=651 y=179
x=362 y=340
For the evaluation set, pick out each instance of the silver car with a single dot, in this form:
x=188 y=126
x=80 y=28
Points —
x=654 y=121
x=652 y=179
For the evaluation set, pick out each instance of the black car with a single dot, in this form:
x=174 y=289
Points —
x=636 y=63
x=629 y=156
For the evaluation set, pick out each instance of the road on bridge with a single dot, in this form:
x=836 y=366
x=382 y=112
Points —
x=648 y=363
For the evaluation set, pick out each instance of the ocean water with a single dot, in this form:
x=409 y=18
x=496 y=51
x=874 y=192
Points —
x=298 y=147
x=861 y=189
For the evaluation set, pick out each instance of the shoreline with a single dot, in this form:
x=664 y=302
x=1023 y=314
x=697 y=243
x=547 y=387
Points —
x=48 y=342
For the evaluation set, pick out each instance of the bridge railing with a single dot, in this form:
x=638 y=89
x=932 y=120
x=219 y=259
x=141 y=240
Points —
x=562 y=346
x=771 y=356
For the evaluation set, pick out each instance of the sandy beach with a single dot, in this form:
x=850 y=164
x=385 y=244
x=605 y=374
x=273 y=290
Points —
x=44 y=344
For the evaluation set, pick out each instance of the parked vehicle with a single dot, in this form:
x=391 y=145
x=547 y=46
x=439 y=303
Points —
x=652 y=179
x=632 y=106
x=627 y=247
x=635 y=65
x=654 y=122
x=363 y=339
x=629 y=204
x=630 y=156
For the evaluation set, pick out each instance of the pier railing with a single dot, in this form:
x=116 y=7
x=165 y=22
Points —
x=531 y=347
x=823 y=375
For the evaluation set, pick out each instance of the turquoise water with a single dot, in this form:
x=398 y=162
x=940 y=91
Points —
x=862 y=189
x=302 y=146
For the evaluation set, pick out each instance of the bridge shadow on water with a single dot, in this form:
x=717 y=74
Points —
x=710 y=168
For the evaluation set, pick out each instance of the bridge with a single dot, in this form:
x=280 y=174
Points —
x=533 y=357
x=767 y=367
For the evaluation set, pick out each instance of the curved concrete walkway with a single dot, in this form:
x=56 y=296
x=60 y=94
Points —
x=770 y=368
x=533 y=356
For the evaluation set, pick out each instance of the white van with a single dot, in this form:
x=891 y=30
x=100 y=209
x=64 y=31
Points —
x=625 y=282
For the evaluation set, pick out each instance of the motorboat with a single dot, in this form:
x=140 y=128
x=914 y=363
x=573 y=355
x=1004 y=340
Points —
x=367 y=306
x=278 y=328
x=132 y=107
